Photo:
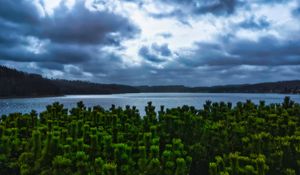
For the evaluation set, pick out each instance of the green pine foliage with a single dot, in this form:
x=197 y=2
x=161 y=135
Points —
x=220 y=139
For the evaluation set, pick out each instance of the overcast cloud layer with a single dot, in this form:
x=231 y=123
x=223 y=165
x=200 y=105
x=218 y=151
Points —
x=153 y=42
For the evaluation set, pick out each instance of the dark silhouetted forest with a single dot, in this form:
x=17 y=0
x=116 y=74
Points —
x=272 y=87
x=15 y=83
x=82 y=87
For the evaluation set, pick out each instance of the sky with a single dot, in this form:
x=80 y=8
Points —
x=153 y=42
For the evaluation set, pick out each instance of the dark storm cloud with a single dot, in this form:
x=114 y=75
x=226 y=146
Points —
x=296 y=11
x=51 y=65
x=63 y=54
x=145 y=53
x=67 y=54
x=156 y=53
x=272 y=1
x=217 y=7
x=17 y=54
x=19 y=11
x=68 y=36
x=104 y=63
x=99 y=67
x=162 y=50
x=83 y=26
x=11 y=34
x=8 y=40
x=78 y=25
x=190 y=8
x=253 y=23
x=186 y=8
x=267 y=51
x=178 y=14
x=74 y=71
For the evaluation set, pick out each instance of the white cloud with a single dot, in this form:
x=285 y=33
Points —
x=50 y=5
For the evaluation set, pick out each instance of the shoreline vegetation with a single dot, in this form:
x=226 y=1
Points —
x=221 y=138
x=17 y=84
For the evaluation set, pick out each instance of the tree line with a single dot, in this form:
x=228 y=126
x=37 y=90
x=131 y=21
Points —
x=15 y=83
x=20 y=84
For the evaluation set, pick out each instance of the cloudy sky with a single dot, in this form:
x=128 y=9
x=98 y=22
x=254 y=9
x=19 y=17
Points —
x=153 y=42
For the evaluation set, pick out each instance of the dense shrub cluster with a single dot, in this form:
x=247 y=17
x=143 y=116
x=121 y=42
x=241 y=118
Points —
x=218 y=139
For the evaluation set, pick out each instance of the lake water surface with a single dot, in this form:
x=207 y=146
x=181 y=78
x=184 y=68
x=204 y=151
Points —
x=139 y=100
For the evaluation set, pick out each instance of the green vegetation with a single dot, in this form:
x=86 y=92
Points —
x=219 y=139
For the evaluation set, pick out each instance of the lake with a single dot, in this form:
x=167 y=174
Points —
x=169 y=100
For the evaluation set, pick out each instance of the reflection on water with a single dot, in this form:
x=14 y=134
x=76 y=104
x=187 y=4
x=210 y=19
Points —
x=139 y=100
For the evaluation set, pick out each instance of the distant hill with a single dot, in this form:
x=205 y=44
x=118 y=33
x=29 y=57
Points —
x=14 y=83
x=83 y=87
x=174 y=88
x=271 y=87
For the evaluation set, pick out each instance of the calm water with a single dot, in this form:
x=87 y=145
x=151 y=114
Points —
x=139 y=100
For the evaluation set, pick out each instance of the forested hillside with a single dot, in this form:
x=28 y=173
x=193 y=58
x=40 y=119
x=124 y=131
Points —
x=288 y=87
x=219 y=139
x=20 y=84
x=81 y=87
x=14 y=83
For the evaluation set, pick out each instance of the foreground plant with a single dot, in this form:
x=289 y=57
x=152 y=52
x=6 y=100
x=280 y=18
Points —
x=218 y=139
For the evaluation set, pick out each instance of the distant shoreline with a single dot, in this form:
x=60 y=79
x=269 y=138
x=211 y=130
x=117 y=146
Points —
x=45 y=96
x=36 y=96
x=18 y=84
